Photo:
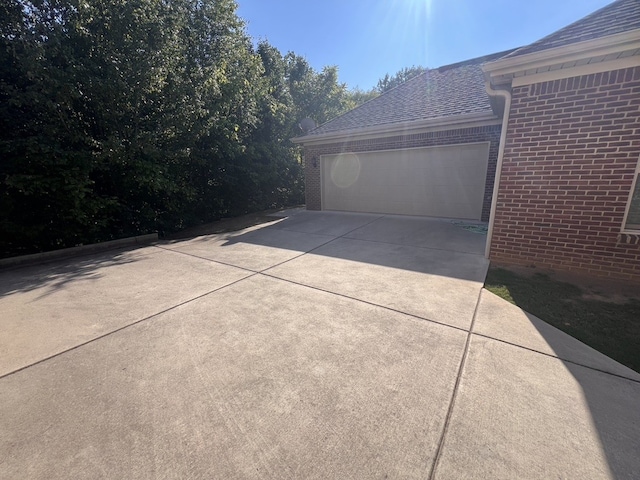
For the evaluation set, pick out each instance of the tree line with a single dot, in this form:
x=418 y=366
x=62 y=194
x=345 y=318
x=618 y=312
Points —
x=119 y=118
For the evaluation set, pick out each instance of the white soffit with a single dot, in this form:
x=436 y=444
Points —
x=592 y=56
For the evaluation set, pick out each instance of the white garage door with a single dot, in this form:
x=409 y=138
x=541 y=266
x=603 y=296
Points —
x=443 y=181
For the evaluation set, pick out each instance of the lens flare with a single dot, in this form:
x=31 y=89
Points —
x=345 y=170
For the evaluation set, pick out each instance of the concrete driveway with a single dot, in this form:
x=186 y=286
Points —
x=323 y=345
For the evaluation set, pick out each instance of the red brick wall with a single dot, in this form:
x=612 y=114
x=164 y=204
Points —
x=448 y=137
x=570 y=156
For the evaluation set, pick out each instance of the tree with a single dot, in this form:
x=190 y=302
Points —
x=45 y=171
x=118 y=117
x=123 y=117
x=358 y=97
x=278 y=178
x=388 y=82
x=317 y=95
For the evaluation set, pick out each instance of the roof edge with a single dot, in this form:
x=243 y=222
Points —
x=575 y=51
x=477 y=60
x=443 y=68
x=587 y=17
x=412 y=79
x=442 y=123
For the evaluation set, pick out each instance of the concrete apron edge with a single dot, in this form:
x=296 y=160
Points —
x=37 y=258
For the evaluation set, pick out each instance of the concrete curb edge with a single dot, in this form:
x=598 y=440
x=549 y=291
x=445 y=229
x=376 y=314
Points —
x=43 y=257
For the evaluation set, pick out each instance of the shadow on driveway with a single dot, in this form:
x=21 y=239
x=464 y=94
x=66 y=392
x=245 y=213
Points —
x=57 y=274
x=536 y=403
x=447 y=248
x=254 y=375
x=610 y=393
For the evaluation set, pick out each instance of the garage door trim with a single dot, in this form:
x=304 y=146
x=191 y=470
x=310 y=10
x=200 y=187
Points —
x=390 y=151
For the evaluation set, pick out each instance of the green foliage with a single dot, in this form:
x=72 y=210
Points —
x=123 y=117
x=315 y=95
x=358 y=96
x=391 y=81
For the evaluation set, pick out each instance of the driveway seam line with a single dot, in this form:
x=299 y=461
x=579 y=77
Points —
x=305 y=233
x=254 y=272
x=454 y=395
x=262 y=272
x=119 y=329
x=415 y=246
x=320 y=246
x=366 y=302
x=573 y=362
x=329 y=235
x=277 y=264
x=149 y=317
x=208 y=259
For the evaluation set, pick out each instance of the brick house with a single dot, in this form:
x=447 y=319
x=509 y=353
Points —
x=555 y=125
x=572 y=145
x=444 y=115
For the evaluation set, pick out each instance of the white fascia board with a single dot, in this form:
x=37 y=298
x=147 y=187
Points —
x=577 y=71
x=590 y=48
x=407 y=128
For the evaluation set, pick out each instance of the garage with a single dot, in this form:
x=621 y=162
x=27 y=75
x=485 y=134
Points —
x=444 y=181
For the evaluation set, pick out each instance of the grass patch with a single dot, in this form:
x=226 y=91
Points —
x=605 y=321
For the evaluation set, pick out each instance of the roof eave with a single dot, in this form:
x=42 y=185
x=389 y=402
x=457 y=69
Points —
x=501 y=71
x=404 y=128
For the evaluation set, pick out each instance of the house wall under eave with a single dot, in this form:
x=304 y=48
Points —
x=491 y=133
x=571 y=152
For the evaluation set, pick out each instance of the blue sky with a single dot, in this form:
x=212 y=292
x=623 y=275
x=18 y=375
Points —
x=367 y=38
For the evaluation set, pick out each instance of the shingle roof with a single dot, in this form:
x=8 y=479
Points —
x=447 y=91
x=617 y=17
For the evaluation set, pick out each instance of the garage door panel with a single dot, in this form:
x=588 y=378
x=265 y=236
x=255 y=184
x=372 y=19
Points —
x=443 y=181
x=464 y=192
x=402 y=176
